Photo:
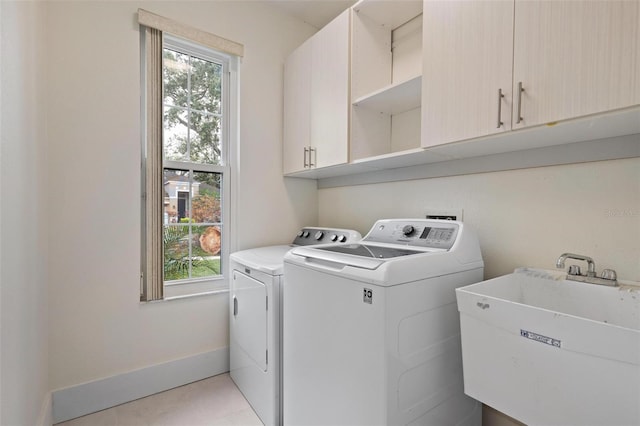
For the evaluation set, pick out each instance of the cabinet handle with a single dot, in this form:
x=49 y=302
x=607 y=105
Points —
x=315 y=157
x=500 y=96
x=235 y=306
x=520 y=90
x=305 y=157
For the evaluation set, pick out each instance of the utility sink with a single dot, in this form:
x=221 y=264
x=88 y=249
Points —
x=549 y=351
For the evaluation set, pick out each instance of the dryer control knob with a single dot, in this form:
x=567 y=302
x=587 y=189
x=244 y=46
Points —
x=342 y=238
x=300 y=232
x=319 y=235
x=408 y=230
x=305 y=234
x=333 y=237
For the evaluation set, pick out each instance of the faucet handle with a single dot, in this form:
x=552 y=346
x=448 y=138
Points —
x=609 y=274
x=574 y=270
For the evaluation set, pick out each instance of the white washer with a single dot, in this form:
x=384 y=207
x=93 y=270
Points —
x=256 y=321
x=371 y=331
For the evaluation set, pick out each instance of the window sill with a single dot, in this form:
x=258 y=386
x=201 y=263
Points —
x=187 y=296
x=192 y=295
x=194 y=288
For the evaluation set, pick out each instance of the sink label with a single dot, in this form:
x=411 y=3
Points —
x=540 y=338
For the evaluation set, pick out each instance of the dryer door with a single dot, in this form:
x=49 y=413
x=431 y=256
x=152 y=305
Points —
x=249 y=319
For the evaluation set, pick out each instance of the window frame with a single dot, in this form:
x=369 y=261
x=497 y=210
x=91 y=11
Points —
x=228 y=147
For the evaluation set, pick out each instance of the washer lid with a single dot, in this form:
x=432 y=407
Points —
x=314 y=254
x=268 y=259
x=376 y=252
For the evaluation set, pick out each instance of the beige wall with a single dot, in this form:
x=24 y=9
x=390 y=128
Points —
x=23 y=212
x=98 y=328
x=523 y=217
x=491 y=417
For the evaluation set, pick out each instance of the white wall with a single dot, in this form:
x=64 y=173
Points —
x=98 y=328
x=24 y=387
x=523 y=217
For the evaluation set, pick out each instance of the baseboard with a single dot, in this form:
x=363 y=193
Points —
x=46 y=414
x=80 y=400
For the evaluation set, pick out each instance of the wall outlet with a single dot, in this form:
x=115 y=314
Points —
x=448 y=214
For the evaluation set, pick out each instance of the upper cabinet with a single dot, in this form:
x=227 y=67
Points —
x=468 y=56
x=316 y=99
x=495 y=66
x=297 y=109
x=396 y=83
x=575 y=58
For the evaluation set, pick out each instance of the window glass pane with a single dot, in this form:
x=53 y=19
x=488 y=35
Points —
x=206 y=86
x=176 y=252
x=192 y=135
x=206 y=251
x=205 y=138
x=206 y=197
x=176 y=196
x=176 y=133
x=175 y=78
x=192 y=243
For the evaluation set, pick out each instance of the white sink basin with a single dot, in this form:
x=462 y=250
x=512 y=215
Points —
x=546 y=350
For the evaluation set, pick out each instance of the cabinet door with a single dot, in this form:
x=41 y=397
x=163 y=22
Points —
x=575 y=58
x=330 y=92
x=297 y=108
x=468 y=54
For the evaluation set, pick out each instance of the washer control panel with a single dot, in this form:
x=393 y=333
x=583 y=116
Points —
x=310 y=235
x=440 y=234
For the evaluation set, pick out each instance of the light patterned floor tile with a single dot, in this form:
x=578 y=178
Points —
x=211 y=402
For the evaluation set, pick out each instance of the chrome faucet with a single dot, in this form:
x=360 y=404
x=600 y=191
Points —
x=609 y=276
x=591 y=266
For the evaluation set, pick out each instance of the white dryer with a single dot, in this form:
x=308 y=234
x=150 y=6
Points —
x=256 y=322
x=371 y=330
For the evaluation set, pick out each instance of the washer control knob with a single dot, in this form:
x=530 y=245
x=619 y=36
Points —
x=319 y=235
x=408 y=230
x=342 y=238
x=333 y=237
x=300 y=232
x=305 y=234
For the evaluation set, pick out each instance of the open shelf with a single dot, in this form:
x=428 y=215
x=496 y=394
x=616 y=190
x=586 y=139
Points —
x=607 y=136
x=395 y=98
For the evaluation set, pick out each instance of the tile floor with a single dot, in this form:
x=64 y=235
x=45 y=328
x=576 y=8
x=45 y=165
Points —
x=213 y=401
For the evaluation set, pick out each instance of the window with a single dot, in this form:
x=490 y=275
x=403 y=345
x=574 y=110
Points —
x=189 y=110
x=195 y=152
